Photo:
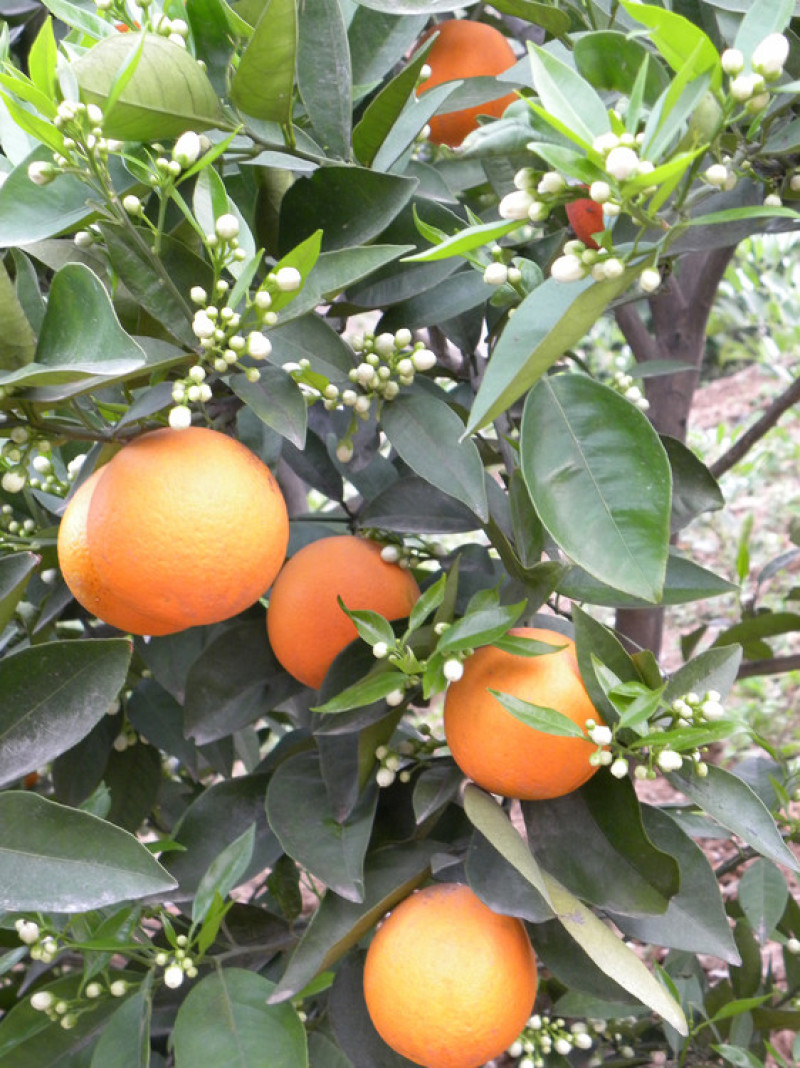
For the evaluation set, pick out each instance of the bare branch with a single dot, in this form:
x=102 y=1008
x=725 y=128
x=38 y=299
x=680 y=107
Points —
x=765 y=422
x=776 y=665
x=641 y=341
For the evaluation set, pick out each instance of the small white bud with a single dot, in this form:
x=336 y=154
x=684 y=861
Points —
x=118 y=988
x=538 y=211
x=732 y=61
x=600 y=192
x=716 y=174
x=622 y=163
x=496 y=274
x=562 y=1046
x=13 y=481
x=567 y=268
x=380 y=650
x=385 y=777
x=402 y=338
x=649 y=280
x=42 y=1000
x=423 y=359
x=605 y=142
x=515 y=205
x=772 y=200
x=41 y=173
x=793 y=946
x=390 y=554
x=619 y=769
x=743 y=86
x=395 y=698
x=344 y=452
x=452 y=670
x=669 y=760
x=227 y=227
x=770 y=55
x=180 y=417
x=601 y=735
x=132 y=205
x=187 y=148
x=262 y=300
x=550 y=182
x=173 y=976
x=202 y=326
x=258 y=346
x=93 y=990
x=288 y=279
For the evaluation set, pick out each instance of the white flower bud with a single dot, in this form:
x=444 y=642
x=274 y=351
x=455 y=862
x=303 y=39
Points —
x=732 y=61
x=649 y=280
x=258 y=346
x=622 y=163
x=28 y=931
x=180 y=417
x=772 y=200
x=13 y=481
x=41 y=173
x=669 y=760
x=601 y=735
x=712 y=710
x=423 y=359
x=385 y=777
x=743 y=86
x=288 y=279
x=344 y=452
x=227 y=227
x=380 y=650
x=132 y=205
x=390 y=554
x=402 y=338
x=118 y=988
x=515 y=205
x=757 y=103
x=496 y=274
x=605 y=142
x=619 y=769
x=793 y=946
x=452 y=670
x=395 y=698
x=600 y=192
x=562 y=1046
x=180 y=27
x=567 y=268
x=187 y=148
x=770 y=55
x=538 y=211
x=524 y=178
x=716 y=174
x=550 y=182
x=173 y=976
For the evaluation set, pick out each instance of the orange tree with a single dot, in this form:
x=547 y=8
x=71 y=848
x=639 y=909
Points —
x=231 y=217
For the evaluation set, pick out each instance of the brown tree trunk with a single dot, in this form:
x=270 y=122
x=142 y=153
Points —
x=676 y=330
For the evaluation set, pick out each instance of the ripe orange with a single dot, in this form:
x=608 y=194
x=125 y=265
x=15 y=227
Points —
x=500 y=752
x=180 y=528
x=307 y=628
x=449 y=983
x=466 y=49
x=586 y=218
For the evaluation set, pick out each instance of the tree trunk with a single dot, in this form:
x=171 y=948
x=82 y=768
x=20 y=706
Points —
x=676 y=331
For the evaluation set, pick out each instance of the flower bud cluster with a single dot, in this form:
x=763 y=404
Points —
x=751 y=87
x=43 y=948
x=177 y=965
x=545 y=1035
x=25 y=460
x=66 y=1013
x=624 y=383
x=397 y=762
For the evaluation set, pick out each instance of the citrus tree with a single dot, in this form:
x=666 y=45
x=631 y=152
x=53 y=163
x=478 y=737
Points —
x=285 y=281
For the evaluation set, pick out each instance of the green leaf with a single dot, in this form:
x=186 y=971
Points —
x=717 y=218
x=695 y=919
x=731 y=802
x=371 y=688
x=52 y=696
x=262 y=83
x=713 y=669
x=596 y=642
x=324 y=75
x=300 y=814
x=125 y=1040
x=351 y=205
x=547 y=323
x=568 y=97
x=677 y=39
x=480 y=627
x=612 y=956
x=617 y=867
x=684 y=581
x=546 y=720
x=766 y=625
x=600 y=481
x=489 y=818
x=224 y=872
x=166 y=94
x=414 y=7
x=15 y=571
x=610 y=60
x=42 y=60
x=276 y=400
x=59 y=859
x=763 y=894
x=555 y=21
x=226 y=1021
x=389 y=876
x=471 y=238
x=426 y=433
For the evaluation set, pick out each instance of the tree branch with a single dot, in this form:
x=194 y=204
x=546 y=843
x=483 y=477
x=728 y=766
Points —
x=764 y=423
x=776 y=665
x=642 y=343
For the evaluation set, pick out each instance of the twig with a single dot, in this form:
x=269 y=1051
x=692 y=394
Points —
x=764 y=423
x=775 y=665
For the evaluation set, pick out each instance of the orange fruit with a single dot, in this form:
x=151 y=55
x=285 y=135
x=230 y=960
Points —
x=180 y=528
x=307 y=628
x=465 y=49
x=448 y=982
x=498 y=751
x=586 y=218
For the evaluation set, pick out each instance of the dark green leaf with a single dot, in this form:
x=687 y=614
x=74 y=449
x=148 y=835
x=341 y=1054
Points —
x=224 y=872
x=684 y=581
x=600 y=481
x=18 y=342
x=324 y=74
x=412 y=506
x=763 y=894
x=555 y=21
x=276 y=400
x=299 y=813
x=427 y=434
x=125 y=1040
x=617 y=866
x=611 y=60
x=695 y=919
x=227 y=1021
x=15 y=571
x=133 y=778
x=736 y=806
x=166 y=94
x=52 y=696
x=352 y=1024
x=371 y=688
x=694 y=489
x=546 y=720
x=500 y=886
x=59 y=859
x=263 y=81
x=764 y=625
x=547 y=323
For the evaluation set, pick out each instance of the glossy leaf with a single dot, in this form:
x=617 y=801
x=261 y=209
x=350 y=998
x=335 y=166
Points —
x=166 y=93
x=262 y=83
x=695 y=918
x=52 y=695
x=389 y=876
x=678 y=39
x=684 y=581
x=59 y=859
x=224 y=873
x=426 y=433
x=412 y=506
x=617 y=867
x=730 y=801
x=276 y=400
x=125 y=1041
x=763 y=894
x=324 y=74
x=471 y=238
x=600 y=481
x=539 y=717
x=547 y=323
x=568 y=97
x=713 y=669
x=226 y=1021
x=500 y=886
x=300 y=814
x=611 y=60
x=18 y=342
x=552 y=19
